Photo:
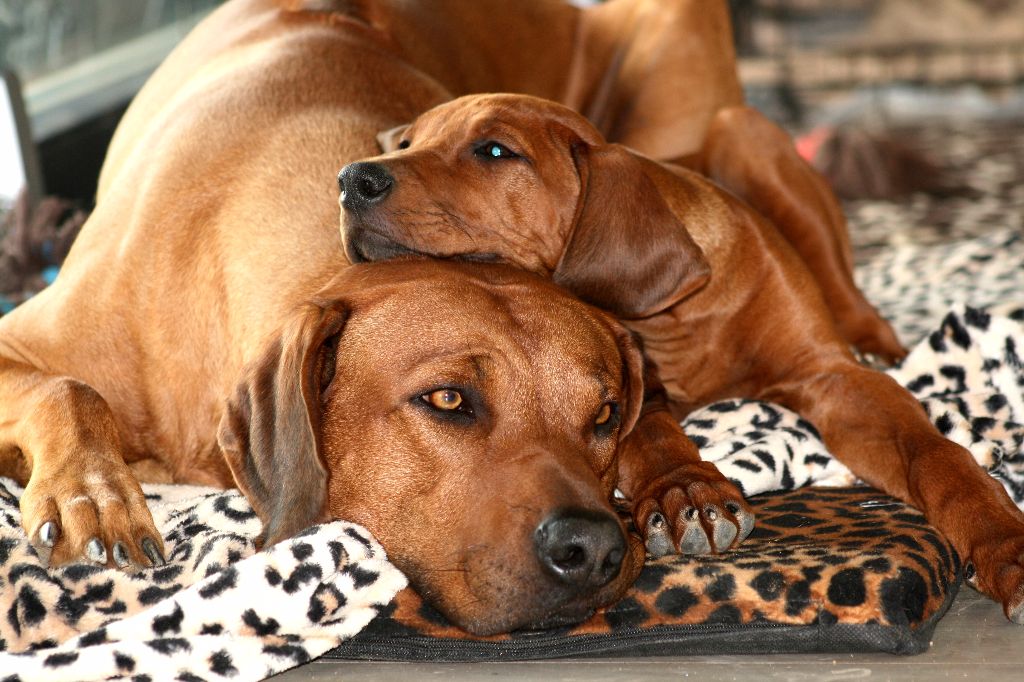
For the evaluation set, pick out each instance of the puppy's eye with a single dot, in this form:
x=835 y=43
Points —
x=495 y=150
x=404 y=144
x=444 y=399
x=604 y=415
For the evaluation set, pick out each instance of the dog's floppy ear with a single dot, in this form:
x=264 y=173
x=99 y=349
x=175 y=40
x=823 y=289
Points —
x=389 y=139
x=627 y=253
x=633 y=369
x=270 y=431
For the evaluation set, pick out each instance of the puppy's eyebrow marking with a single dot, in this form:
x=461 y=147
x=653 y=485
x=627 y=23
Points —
x=499 y=126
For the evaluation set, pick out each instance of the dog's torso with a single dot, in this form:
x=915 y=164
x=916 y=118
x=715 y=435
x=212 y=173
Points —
x=217 y=214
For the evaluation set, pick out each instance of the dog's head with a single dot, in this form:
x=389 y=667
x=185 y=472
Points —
x=469 y=416
x=529 y=182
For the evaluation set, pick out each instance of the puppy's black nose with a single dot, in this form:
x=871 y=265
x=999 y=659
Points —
x=363 y=184
x=581 y=548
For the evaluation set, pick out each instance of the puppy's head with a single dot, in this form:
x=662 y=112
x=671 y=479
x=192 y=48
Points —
x=468 y=415
x=529 y=182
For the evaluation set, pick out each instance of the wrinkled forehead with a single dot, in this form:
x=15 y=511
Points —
x=474 y=114
x=552 y=338
x=457 y=122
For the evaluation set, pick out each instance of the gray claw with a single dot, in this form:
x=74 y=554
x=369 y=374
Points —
x=96 y=552
x=658 y=541
x=121 y=557
x=694 y=540
x=725 y=533
x=871 y=360
x=746 y=520
x=970 y=574
x=150 y=550
x=48 y=533
x=1016 y=613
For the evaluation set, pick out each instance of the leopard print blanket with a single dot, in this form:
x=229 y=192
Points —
x=217 y=610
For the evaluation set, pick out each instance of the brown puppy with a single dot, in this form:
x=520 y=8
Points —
x=660 y=76
x=467 y=414
x=724 y=305
x=657 y=75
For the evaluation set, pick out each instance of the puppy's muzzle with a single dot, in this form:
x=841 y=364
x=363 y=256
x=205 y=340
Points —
x=364 y=185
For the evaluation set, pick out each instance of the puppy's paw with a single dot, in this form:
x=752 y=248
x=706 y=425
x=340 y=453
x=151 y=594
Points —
x=692 y=510
x=873 y=340
x=997 y=569
x=96 y=514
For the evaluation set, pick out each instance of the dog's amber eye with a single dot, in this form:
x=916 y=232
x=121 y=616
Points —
x=604 y=415
x=444 y=399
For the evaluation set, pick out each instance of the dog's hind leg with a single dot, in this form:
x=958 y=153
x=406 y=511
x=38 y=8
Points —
x=756 y=160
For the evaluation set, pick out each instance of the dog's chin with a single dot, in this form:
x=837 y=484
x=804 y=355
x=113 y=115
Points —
x=528 y=611
x=559 y=620
x=364 y=246
x=498 y=623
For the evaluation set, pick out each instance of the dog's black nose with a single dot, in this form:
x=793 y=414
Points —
x=363 y=184
x=582 y=549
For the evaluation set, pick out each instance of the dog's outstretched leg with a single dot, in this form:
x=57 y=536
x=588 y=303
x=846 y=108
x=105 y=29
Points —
x=81 y=502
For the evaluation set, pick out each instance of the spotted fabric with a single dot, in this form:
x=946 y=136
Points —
x=825 y=569
x=217 y=610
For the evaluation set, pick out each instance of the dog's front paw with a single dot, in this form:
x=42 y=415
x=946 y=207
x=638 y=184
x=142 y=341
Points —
x=692 y=510
x=96 y=514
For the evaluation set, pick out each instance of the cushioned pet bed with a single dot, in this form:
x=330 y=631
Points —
x=827 y=569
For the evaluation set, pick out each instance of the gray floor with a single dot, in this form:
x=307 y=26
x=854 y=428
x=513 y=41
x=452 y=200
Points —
x=973 y=641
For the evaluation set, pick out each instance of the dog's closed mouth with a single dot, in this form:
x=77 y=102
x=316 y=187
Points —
x=363 y=245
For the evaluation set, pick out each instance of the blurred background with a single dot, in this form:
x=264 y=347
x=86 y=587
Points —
x=918 y=103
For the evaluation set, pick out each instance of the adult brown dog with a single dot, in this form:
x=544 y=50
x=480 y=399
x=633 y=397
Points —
x=216 y=218
x=724 y=305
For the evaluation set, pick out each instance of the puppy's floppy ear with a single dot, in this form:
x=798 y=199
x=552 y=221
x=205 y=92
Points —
x=389 y=139
x=628 y=252
x=270 y=431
